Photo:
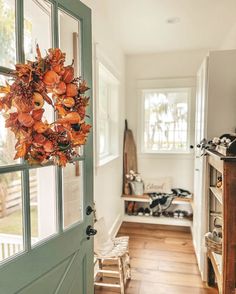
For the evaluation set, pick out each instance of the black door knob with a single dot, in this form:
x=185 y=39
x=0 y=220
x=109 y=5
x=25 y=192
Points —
x=191 y=146
x=90 y=231
x=89 y=210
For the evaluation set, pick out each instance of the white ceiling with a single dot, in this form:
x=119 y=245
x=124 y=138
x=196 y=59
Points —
x=140 y=25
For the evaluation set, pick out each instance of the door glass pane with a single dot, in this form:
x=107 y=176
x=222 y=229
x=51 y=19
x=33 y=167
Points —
x=69 y=34
x=42 y=203
x=7 y=33
x=37 y=27
x=37 y=30
x=11 y=230
x=7 y=138
x=70 y=43
x=72 y=193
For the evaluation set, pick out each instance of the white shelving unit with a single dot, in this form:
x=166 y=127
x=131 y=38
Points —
x=161 y=220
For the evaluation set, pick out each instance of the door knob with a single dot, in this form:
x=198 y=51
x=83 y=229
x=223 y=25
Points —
x=191 y=147
x=90 y=231
x=89 y=210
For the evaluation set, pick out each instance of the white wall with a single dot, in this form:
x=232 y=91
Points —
x=229 y=41
x=178 y=64
x=108 y=178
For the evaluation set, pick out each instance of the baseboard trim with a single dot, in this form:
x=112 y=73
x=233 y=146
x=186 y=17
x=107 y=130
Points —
x=116 y=226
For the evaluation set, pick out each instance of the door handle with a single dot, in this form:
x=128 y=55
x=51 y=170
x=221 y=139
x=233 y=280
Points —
x=90 y=231
x=89 y=210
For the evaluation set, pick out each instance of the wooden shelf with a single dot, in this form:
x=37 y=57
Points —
x=222 y=268
x=160 y=220
x=216 y=154
x=146 y=198
x=139 y=198
x=216 y=260
x=218 y=193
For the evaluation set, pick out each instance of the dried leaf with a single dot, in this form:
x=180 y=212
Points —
x=21 y=150
x=12 y=121
x=62 y=159
x=39 y=55
x=79 y=139
x=83 y=87
x=61 y=110
x=85 y=128
x=5 y=89
x=47 y=98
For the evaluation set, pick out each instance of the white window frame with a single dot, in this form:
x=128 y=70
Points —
x=163 y=84
x=114 y=149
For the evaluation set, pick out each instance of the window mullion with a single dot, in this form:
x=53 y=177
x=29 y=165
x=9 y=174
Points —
x=26 y=209
x=59 y=193
x=59 y=182
x=20 y=56
x=55 y=25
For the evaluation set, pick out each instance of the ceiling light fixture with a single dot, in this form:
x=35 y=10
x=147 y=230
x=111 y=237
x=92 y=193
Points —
x=173 y=20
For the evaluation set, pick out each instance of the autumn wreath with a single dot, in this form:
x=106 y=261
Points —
x=34 y=83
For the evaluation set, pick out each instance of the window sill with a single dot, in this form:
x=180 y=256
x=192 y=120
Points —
x=106 y=160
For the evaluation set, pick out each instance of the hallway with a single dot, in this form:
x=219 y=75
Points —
x=162 y=261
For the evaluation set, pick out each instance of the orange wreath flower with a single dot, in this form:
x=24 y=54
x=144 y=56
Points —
x=23 y=104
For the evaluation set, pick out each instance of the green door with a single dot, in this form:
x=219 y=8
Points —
x=44 y=215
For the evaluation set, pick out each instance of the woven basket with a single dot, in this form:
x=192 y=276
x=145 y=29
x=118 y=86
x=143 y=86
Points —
x=213 y=245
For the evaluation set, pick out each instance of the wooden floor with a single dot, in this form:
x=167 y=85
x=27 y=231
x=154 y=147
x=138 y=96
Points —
x=162 y=261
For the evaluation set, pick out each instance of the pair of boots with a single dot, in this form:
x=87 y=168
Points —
x=132 y=208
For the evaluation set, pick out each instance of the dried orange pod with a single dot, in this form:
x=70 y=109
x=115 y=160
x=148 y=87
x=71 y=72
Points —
x=38 y=100
x=69 y=102
x=21 y=105
x=71 y=90
x=60 y=88
x=40 y=127
x=61 y=110
x=39 y=140
x=51 y=78
x=59 y=69
x=68 y=75
x=37 y=114
x=25 y=119
x=71 y=118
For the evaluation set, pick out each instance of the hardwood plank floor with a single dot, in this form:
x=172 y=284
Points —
x=162 y=262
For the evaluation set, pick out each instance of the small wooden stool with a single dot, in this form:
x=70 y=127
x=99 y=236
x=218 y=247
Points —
x=120 y=254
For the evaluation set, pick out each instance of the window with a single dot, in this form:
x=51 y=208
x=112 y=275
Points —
x=165 y=120
x=108 y=114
